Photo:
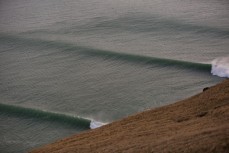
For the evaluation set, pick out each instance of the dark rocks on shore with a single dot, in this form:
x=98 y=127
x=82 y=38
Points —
x=206 y=88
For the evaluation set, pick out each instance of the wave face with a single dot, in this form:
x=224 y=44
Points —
x=220 y=67
x=67 y=67
x=50 y=116
x=45 y=115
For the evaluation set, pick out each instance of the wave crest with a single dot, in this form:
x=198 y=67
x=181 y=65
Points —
x=19 y=111
x=50 y=116
x=220 y=67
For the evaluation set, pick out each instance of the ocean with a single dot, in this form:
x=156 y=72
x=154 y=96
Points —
x=68 y=66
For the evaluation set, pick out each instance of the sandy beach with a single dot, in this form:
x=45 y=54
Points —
x=197 y=124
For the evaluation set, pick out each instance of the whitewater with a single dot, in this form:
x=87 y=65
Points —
x=220 y=67
x=72 y=66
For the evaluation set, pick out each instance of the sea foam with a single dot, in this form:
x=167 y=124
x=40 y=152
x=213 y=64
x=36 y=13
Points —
x=96 y=124
x=220 y=67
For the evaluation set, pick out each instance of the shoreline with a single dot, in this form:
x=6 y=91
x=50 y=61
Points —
x=197 y=124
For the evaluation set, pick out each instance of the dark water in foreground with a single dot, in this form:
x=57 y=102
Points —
x=66 y=66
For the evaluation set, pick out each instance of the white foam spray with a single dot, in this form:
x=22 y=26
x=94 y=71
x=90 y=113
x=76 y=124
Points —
x=96 y=124
x=220 y=67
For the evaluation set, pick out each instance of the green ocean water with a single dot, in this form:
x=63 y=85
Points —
x=68 y=66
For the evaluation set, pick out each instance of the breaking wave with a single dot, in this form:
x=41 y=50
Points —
x=112 y=55
x=220 y=67
x=49 y=116
x=96 y=124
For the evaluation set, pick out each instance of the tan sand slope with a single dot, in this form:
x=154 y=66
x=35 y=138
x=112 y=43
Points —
x=197 y=124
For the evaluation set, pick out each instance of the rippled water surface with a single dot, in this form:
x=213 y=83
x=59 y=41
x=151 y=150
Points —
x=66 y=66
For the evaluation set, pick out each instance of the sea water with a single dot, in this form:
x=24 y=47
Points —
x=68 y=66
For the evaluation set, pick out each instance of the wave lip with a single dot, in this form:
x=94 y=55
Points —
x=220 y=67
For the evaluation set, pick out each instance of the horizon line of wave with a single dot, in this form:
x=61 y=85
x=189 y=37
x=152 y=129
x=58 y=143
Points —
x=92 y=52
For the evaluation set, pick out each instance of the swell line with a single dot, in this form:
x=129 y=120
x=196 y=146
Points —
x=147 y=60
x=92 y=52
x=45 y=115
x=148 y=23
x=138 y=23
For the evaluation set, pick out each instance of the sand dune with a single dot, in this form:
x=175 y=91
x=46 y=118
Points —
x=197 y=124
